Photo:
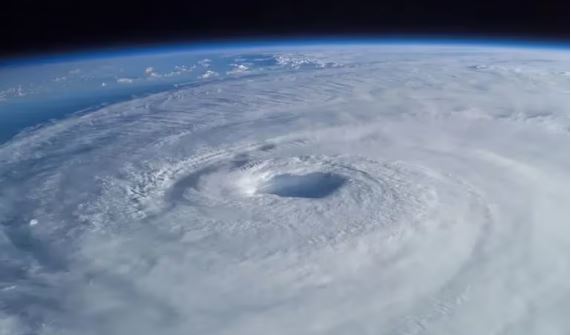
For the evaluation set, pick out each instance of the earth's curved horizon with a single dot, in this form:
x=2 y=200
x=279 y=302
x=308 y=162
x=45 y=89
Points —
x=312 y=188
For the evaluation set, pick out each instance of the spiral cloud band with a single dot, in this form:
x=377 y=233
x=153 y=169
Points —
x=366 y=190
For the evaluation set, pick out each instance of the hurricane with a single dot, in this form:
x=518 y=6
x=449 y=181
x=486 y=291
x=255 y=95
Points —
x=369 y=189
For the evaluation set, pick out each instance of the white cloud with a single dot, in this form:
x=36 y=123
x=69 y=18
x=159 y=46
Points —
x=124 y=80
x=238 y=69
x=204 y=62
x=150 y=72
x=209 y=74
x=13 y=92
x=297 y=60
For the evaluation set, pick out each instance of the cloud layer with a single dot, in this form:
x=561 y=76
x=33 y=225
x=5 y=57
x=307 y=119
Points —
x=404 y=190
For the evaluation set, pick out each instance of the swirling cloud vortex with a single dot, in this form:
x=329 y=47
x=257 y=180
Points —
x=416 y=191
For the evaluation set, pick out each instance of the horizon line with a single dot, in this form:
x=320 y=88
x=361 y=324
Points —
x=260 y=42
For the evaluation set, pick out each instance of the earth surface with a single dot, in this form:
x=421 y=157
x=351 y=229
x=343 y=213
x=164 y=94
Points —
x=350 y=188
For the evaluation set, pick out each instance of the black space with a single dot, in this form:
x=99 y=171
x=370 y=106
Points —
x=29 y=26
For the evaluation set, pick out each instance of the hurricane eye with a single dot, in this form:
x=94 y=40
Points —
x=312 y=185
